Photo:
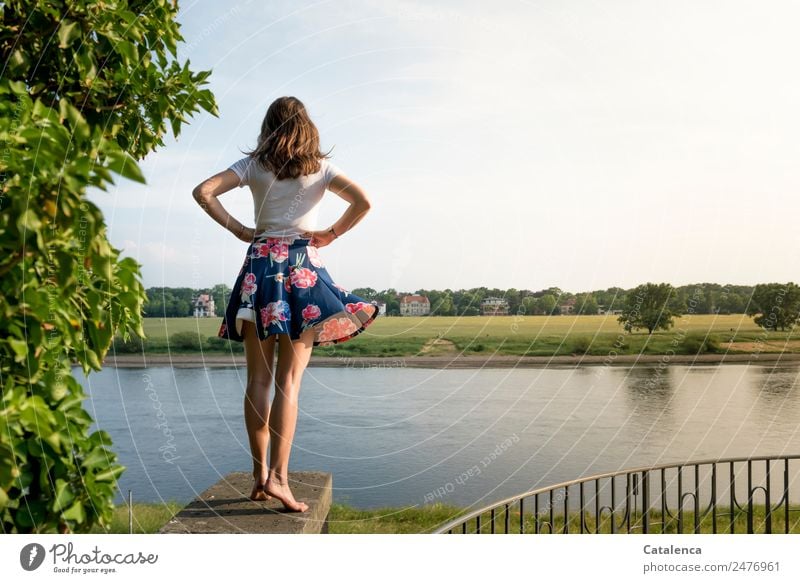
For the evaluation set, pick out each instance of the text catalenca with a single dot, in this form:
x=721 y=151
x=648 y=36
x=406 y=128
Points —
x=671 y=550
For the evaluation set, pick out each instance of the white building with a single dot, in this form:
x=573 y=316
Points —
x=204 y=306
x=414 y=305
x=493 y=306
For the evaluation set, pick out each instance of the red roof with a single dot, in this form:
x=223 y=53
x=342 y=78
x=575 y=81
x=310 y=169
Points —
x=414 y=298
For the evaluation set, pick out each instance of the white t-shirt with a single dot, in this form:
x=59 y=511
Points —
x=284 y=208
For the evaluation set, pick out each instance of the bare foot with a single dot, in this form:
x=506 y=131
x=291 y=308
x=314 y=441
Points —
x=258 y=493
x=284 y=494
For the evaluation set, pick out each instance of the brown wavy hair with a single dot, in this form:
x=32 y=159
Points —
x=288 y=145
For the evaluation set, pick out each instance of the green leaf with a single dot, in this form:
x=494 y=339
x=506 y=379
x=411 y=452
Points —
x=123 y=164
x=110 y=474
x=67 y=32
x=28 y=221
x=97 y=458
x=20 y=348
x=75 y=513
x=64 y=495
x=76 y=121
x=128 y=51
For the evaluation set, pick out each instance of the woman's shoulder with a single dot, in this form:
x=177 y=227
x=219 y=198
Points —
x=328 y=170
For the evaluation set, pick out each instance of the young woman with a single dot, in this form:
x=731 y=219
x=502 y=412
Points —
x=283 y=294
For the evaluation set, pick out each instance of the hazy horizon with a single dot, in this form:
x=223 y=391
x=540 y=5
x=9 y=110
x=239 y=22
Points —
x=579 y=146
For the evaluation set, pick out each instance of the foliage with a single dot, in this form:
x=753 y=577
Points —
x=166 y=302
x=581 y=345
x=649 y=306
x=699 y=343
x=775 y=305
x=88 y=88
x=133 y=345
x=185 y=341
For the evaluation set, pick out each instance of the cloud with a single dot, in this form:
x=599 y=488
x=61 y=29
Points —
x=161 y=252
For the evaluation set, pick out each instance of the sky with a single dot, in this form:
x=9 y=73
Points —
x=509 y=144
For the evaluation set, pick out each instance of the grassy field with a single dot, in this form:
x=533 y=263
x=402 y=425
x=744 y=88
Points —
x=148 y=519
x=512 y=335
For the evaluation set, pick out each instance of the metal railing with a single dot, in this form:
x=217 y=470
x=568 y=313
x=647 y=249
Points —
x=750 y=494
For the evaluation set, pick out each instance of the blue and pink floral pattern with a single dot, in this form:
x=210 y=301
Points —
x=284 y=283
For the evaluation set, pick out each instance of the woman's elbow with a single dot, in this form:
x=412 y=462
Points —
x=199 y=193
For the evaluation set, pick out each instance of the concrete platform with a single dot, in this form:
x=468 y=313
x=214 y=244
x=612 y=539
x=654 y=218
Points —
x=225 y=508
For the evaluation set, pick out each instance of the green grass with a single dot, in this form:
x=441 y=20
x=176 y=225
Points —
x=343 y=519
x=510 y=335
x=657 y=526
x=147 y=518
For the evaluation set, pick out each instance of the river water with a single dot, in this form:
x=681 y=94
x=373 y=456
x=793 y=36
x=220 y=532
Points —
x=396 y=436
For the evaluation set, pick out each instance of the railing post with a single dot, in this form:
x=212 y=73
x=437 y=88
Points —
x=583 y=514
x=613 y=504
x=733 y=498
x=680 y=500
x=786 y=493
x=628 y=503
x=714 y=498
x=767 y=503
x=697 y=498
x=749 y=497
x=597 y=506
x=646 y=502
x=663 y=500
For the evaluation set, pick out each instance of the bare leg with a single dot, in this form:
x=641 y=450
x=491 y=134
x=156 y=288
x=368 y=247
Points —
x=293 y=356
x=260 y=372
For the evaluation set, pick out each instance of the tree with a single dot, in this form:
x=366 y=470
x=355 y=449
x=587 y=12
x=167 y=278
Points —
x=585 y=304
x=730 y=301
x=529 y=305
x=649 y=306
x=221 y=294
x=88 y=89
x=547 y=304
x=775 y=305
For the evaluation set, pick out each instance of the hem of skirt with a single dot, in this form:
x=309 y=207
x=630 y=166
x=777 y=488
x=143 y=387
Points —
x=238 y=338
x=352 y=334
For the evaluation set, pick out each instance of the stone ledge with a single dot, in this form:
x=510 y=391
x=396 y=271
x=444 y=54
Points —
x=225 y=508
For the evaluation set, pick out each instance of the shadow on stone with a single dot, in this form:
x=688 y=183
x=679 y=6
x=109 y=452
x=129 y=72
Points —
x=225 y=508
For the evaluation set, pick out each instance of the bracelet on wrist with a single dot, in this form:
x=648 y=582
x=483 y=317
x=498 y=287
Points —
x=335 y=236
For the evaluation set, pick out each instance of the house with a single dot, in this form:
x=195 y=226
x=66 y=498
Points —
x=381 y=308
x=603 y=310
x=568 y=307
x=414 y=305
x=493 y=306
x=204 y=306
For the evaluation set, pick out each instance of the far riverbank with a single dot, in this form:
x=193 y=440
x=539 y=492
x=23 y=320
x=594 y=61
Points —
x=459 y=361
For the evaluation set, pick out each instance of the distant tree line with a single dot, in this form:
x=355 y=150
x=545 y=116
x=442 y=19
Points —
x=649 y=306
x=707 y=298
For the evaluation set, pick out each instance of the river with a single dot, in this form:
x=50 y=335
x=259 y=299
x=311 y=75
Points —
x=396 y=436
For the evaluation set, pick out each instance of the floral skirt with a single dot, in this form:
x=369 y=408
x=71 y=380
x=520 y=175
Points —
x=284 y=288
